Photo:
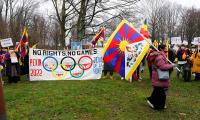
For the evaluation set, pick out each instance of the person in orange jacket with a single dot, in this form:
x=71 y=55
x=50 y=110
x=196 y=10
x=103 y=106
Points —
x=195 y=58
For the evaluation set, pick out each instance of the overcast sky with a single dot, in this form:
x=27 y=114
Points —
x=47 y=8
x=188 y=3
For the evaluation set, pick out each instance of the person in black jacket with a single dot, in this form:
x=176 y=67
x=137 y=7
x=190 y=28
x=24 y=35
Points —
x=187 y=70
x=171 y=57
x=12 y=66
x=25 y=62
x=107 y=69
x=181 y=55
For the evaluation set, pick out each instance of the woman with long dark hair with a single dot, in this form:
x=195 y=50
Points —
x=160 y=85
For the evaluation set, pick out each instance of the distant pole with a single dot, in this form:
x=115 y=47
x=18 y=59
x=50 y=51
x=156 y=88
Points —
x=2 y=102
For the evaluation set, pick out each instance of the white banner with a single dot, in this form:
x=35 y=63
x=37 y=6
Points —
x=196 y=41
x=6 y=42
x=176 y=40
x=65 y=65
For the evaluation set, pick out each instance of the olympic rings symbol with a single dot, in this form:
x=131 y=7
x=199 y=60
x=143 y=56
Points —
x=88 y=63
x=79 y=73
x=68 y=64
x=53 y=64
x=57 y=75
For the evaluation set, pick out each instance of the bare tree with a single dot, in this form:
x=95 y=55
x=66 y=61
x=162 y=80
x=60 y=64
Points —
x=163 y=17
x=190 y=24
x=173 y=19
x=85 y=14
x=153 y=12
x=20 y=16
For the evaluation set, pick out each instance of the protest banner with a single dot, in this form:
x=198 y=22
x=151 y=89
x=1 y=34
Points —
x=176 y=40
x=13 y=56
x=84 y=64
x=196 y=41
x=6 y=42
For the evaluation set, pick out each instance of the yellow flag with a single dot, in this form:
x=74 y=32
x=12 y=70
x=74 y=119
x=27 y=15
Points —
x=167 y=47
x=34 y=46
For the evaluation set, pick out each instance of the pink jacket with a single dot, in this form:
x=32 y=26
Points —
x=161 y=63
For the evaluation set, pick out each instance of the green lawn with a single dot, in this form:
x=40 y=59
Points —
x=99 y=100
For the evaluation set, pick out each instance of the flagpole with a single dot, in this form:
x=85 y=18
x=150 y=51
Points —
x=2 y=101
x=158 y=51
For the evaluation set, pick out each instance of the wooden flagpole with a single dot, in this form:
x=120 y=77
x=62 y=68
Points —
x=2 y=102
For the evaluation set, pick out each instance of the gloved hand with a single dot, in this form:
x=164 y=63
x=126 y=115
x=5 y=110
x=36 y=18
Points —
x=174 y=65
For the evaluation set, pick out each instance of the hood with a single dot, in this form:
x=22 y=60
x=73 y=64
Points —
x=198 y=55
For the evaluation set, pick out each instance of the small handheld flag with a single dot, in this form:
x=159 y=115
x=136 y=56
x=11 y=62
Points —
x=144 y=29
x=99 y=37
x=23 y=42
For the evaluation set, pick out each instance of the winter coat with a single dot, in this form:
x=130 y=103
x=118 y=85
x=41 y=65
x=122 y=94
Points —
x=180 y=55
x=9 y=64
x=151 y=57
x=107 y=67
x=161 y=63
x=195 y=58
x=171 y=55
x=25 y=65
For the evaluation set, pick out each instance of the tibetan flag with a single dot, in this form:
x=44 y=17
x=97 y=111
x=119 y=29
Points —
x=23 y=41
x=144 y=29
x=114 y=50
x=134 y=53
x=99 y=37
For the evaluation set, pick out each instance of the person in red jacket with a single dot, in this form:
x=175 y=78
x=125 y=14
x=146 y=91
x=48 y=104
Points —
x=150 y=59
x=160 y=87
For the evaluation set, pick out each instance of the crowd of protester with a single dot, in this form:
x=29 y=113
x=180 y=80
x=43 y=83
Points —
x=185 y=61
x=12 y=64
x=160 y=62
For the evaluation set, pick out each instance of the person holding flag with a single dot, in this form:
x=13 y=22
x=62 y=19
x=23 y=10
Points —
x=160 y=83
x=25 y=61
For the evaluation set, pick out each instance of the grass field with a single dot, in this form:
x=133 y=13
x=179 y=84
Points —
x=99 y=100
